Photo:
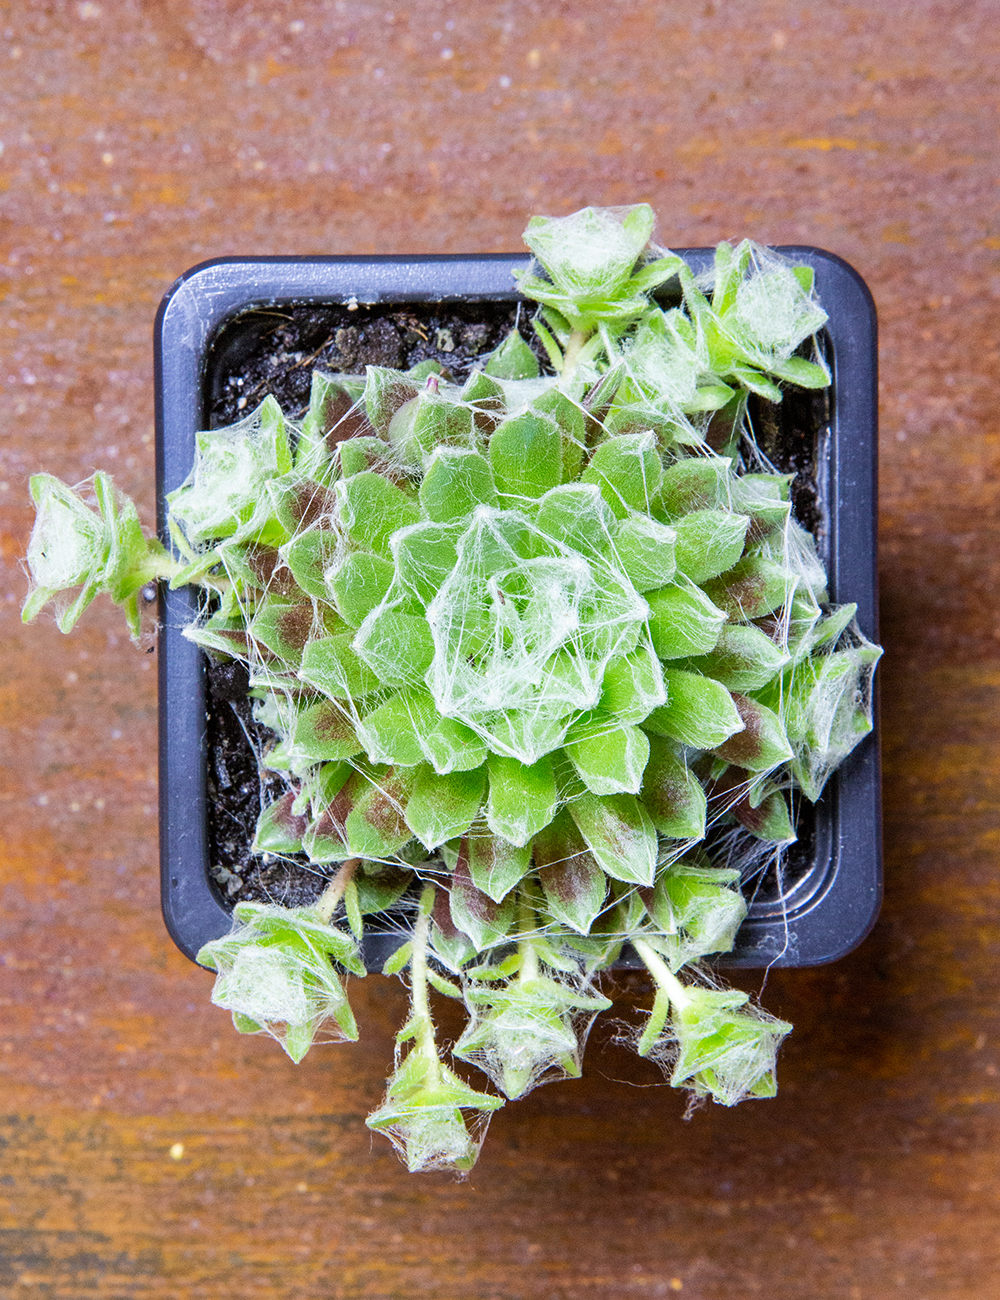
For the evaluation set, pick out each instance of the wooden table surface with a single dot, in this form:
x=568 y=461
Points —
x=142 y=137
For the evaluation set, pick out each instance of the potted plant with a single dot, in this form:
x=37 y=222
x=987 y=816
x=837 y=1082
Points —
x=535 y=652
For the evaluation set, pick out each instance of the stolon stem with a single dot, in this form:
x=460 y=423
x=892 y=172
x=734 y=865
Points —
x=330 y=898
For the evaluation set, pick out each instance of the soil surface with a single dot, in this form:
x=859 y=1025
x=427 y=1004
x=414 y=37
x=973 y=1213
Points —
x=237 y=788
x=274 y=351
x=788 y=435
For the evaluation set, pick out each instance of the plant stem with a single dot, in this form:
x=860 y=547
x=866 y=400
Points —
x=159 y=566
x=334 y=892
x=419 y=1001
x=180 y=542
x=669 y=990
x=662 y=974
x=574 y=344
x=526 y=922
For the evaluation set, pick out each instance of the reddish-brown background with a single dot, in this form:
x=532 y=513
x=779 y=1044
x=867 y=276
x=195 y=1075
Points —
x=141 y=136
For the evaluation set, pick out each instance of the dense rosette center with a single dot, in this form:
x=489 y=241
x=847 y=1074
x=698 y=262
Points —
x=524 y=624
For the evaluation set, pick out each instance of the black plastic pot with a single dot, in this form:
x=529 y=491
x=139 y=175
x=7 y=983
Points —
x=831 y=901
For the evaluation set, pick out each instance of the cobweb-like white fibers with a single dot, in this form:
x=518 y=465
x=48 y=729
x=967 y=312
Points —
x=523 y=629
x=287 y=989
x=727 y=1053
x=526 y=1032
x=67 y=543
x=773 y=314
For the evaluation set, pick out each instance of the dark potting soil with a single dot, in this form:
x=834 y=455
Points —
x=788 y=435
x=274 y=351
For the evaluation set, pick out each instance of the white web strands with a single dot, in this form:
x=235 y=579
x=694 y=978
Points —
x=276 y=978
x=67 y=543
x=723 y=1056
x=771 y=314
x=432 y=1137
x=521 y=644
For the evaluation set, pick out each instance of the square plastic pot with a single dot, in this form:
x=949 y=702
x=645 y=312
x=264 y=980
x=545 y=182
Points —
x=832 y=901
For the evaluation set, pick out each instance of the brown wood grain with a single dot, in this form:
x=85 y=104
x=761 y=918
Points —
x=140 y=138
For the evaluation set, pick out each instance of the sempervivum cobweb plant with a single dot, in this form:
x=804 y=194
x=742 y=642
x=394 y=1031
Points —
x=521 y=645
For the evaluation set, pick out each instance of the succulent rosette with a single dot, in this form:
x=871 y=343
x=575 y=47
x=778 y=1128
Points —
x=529 y=638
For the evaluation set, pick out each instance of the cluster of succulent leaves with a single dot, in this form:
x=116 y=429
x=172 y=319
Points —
x=522 y=642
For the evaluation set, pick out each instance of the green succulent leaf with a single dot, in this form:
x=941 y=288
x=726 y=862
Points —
x=620 y=835
x=576 y=515
x=486 y=921
x=455 y=482
x=513 y=359
x=756 y=803
x=495 y=865
x=362 y=452
x=572 y=879
x=389 y=732
x=696 y=483
x=486 y=397
x=365 y=819
x=386 y=391
x=697 y=910
x=628 y=472
x=645 y=550
x=396 y=646
x=526 y=456
x=633 y=686
x=279 y=827
x=309 y=555
x=372 y=509
x=609 y=758
x=709 y=542
x=751 y=589
x=522 y=798
x=425 y=554
x=672 y=795
x=379 y=885
x=744 y=659
x=699 y=712
x=283 y=627
x=330 y=665
x=426 y=422
x=590 y=259
x=360 y=584
x=570 y=418
x=441 y=808
x=523 y=1033
x=761 y=744
x=683 y=620
x=323 y=733
x=335 y=413
x=826 y=707
x=407 y=729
